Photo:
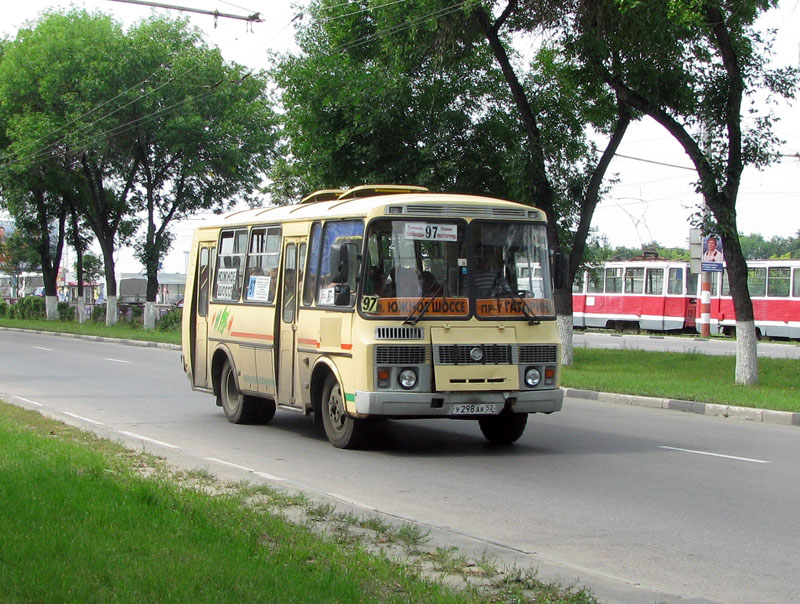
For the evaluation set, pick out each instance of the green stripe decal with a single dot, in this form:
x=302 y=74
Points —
x=350 y=397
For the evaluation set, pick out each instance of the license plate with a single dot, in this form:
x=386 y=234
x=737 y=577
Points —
x=474 y=409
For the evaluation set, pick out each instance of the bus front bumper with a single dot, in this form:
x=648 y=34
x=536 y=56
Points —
x=455 y=404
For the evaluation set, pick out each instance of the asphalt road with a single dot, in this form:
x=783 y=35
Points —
x=643 y=505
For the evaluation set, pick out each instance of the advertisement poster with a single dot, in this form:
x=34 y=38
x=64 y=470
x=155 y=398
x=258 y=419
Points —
x=712 y=254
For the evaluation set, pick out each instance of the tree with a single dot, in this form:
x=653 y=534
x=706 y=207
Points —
x=693 y=67
x=18 y=255
x=204 y=135
x=436 y=96
x=60 y=74
x=150 y=122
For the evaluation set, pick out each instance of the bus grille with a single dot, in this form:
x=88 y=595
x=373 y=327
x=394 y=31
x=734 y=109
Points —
x=399 y=333
x=458 y=354
x=537 y=354
x=401 y=355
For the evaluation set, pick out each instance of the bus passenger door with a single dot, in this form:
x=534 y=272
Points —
x=200 y=309
x=287 y=345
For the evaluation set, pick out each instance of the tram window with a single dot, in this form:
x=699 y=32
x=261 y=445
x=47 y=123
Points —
x=613 y=280
x=654 y=285
x=757 y=281
x=691 y=283
x=714 y=283
x=634 y=280
x=796 y=281
x=595 y=282
x=726 y=285
x=675 y=283
x=577 y=285
x=778 y=283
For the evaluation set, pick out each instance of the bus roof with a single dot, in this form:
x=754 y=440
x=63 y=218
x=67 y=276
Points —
x=385 y=201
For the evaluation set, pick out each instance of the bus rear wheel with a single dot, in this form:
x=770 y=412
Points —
x=238 y=408
x=343 y=431
x=503 y=429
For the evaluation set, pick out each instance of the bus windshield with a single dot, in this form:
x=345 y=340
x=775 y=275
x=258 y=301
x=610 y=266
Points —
x=422 y=268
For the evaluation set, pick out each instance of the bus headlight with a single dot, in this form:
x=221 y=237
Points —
x=407 y=378
x=532 y=377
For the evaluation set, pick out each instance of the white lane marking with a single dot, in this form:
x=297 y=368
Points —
x=245 y=468
x=117 y=361
x=83 y=419
x=734 y=457
x=352 y=502
x=228 y=463
x=269 y=476
x=150 y=440
x=43 y=348
x=29 y=401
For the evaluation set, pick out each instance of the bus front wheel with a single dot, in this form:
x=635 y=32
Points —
x=343 y=431
x=238 y=408
x=503 y=429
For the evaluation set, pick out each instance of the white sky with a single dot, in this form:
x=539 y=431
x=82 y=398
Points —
x=650 y=202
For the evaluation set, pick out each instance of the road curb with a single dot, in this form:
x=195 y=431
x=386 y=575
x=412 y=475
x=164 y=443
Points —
x=784 y=418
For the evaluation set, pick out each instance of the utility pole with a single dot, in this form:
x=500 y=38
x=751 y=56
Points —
x=254 y=18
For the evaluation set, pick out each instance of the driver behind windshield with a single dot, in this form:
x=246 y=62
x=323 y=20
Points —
x=488 y=278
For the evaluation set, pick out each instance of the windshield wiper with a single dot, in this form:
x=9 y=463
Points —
x=428 y=296
x=527 y=311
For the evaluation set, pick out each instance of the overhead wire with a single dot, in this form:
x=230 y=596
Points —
x=45 y=151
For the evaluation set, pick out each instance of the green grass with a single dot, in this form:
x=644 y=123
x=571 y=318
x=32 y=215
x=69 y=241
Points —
x=687 y=376
x=90 y=328
x=79 y=524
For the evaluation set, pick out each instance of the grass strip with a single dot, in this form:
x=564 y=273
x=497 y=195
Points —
x=125 y=331
x=686 y=376
x=79 y=523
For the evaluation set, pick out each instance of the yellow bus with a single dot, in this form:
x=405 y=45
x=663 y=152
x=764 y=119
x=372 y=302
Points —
x=372 y=303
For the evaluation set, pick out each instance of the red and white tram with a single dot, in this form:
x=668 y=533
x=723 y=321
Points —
x=654 y=295
x=661 y=295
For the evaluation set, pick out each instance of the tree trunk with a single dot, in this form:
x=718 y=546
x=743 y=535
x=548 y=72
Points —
x=51 y=307
x=81 y=310
x=564 y=323
x=746 y=353
x=150 y=313
x=746 y=341
x=563 y=303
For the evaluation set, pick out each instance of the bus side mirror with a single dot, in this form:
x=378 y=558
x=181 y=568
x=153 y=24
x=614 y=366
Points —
x=340 y=263
x=560 y=271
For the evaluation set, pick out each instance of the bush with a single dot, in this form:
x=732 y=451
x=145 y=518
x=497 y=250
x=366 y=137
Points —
x=30 y=307
x=171 y=321
x=66 y=312
x=3 y=308
x=99 y=313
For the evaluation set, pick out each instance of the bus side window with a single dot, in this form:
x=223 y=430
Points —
x=310 y=285
x=230 y=274
x=202 y=283
x=347 y=236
